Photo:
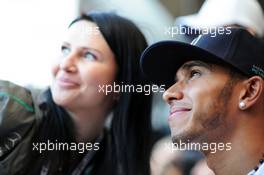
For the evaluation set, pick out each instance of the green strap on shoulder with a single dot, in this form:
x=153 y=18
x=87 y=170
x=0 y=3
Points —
x=18 y=100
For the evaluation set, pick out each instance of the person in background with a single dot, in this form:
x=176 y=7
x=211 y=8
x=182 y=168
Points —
x=99 y=49
x=247 y=14
x=201 y=168
x=168 y=160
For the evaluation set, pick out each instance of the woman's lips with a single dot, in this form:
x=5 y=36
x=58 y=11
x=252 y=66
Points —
x=66 y=83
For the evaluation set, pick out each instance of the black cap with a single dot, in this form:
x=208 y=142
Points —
x=238 y=48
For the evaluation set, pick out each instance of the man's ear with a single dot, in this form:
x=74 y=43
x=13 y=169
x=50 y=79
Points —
x=251 y=93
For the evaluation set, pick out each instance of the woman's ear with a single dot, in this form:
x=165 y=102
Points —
x=251 y=92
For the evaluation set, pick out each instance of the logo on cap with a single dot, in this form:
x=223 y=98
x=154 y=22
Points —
x=194 y=42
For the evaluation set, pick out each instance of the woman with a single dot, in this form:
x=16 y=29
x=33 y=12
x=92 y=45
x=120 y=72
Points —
x=100 y=49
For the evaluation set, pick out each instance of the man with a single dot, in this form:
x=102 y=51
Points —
x=216 y=96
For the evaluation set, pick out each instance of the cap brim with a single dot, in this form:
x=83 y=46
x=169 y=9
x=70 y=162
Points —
x=160 y=61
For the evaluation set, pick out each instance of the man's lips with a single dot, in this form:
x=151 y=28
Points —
x=66 y=82
x=178 y=111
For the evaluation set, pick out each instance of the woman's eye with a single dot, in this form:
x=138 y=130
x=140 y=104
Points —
x=194 y=74
x=65 y=50
x=90 y=56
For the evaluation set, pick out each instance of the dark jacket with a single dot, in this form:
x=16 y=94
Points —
x=21 y=117
x=18 y=122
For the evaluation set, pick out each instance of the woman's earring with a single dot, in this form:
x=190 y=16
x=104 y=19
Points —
x=242 y=105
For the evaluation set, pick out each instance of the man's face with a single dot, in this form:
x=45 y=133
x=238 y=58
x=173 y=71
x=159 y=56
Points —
x=199 y=101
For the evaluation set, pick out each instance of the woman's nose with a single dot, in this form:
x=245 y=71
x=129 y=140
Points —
x=69 y=63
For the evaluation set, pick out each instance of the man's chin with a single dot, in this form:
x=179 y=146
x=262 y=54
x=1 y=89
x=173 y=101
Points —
x=185 y=137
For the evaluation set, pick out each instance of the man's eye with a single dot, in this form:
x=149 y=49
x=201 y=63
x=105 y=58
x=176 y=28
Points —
x=89 y=56
x=65 y=50
x=194 y=74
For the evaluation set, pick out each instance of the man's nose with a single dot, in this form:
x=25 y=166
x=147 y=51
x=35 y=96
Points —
x=173 y=93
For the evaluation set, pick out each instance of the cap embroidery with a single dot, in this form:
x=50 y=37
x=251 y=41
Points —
x=196 y=40
x=257 y=70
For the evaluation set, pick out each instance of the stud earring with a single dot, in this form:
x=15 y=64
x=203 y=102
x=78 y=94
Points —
x=242 y=105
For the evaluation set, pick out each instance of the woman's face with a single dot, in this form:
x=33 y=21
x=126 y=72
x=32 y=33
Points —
x=85 y=64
